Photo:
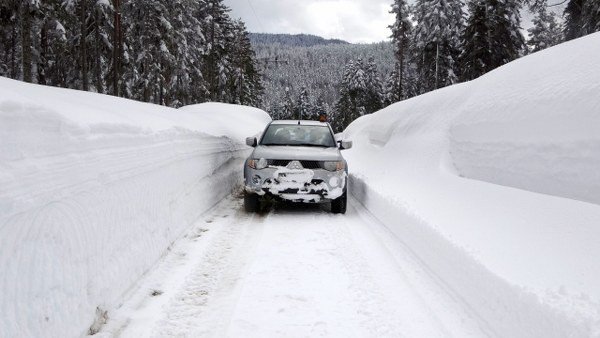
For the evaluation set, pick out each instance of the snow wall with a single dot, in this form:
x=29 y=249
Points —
x=94 y=189
x=495 y=185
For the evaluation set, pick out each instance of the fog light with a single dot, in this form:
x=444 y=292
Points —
x=334 y=182
x=256 y=179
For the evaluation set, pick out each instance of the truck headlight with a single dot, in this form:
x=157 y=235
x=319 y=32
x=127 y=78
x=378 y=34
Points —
x=334 y=165
x=257 y=164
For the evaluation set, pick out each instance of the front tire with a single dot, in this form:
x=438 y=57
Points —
x=338 y=205
x=251 y=202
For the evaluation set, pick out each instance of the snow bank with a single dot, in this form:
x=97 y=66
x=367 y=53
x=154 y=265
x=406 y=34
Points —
x=94 y=189
x=495 y=184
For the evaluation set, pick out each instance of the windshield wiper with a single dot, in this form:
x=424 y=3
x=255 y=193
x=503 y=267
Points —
x=311 y=145
x=273 y=144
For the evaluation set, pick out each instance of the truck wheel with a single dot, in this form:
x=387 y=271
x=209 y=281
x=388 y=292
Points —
x=251 y=202
x=338 y=205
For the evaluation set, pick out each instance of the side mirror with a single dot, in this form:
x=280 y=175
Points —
x=345 y=145
x=251 y=141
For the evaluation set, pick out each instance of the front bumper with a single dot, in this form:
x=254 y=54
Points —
x=297 y=185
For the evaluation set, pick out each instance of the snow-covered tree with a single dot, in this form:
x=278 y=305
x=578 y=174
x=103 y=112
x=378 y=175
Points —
x=304 y=109
x=152 y=50
x=573 y=26
x=591 y=16
x=391 y=89
x=373 y=95
x=546 y=31
x=245 y=80
x=360 y=93
x=401 y=38
x=437 y=42
x=217 y=25
x=492 y=36
x=477 y=42
x=286 y=109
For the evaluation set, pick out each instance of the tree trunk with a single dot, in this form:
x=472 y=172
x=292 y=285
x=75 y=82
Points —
x=97 y=55
x=14 y=69
x=26 y=42
x=117 y=45
x=83 y=45
x=401 y=80
x=437 y=61
x=41 y=68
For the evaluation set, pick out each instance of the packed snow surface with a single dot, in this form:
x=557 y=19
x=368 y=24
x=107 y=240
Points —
x=495 y=185
x=298 y=271
x=94 y=189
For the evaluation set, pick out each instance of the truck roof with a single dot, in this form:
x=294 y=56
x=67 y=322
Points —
x=301 y=122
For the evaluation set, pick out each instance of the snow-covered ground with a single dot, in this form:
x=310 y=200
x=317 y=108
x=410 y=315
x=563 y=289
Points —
x=475 y=212
x=495 y=185
x=94 y=189
x=295 y=272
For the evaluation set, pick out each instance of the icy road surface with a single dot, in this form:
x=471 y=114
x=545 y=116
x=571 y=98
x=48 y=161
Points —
x=294 y=272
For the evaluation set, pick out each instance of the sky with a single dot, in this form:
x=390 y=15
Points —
x=356 y=21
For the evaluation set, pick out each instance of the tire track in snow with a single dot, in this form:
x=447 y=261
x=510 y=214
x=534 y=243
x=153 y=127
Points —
x=214 y=278
x=412 y=270
x=297 y=273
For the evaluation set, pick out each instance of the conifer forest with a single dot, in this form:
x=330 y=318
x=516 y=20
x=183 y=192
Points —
x=180 y=52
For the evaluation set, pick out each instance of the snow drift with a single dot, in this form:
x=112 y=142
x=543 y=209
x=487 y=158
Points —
x=495 y=185
x=94 y=189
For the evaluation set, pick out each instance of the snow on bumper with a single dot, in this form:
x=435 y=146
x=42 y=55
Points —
x=298 y=185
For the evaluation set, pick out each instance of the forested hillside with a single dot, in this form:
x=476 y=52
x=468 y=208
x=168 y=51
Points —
x=297 y=40
x=307 y=80
x=434 y=44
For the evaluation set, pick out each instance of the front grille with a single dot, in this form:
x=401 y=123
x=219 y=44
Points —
x=279 y=163
x=311 y=164
x=305 y=164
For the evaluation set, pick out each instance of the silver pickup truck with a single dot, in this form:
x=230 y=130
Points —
x=298 y=161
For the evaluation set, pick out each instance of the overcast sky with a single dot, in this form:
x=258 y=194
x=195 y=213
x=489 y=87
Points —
x=351 y=20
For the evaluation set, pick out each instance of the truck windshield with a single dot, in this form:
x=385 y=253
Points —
x=298 y=135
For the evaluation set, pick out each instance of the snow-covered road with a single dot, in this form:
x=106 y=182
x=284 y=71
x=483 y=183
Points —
x=294 y=272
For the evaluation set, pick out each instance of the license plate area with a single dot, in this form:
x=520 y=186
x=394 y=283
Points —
x=291 y=176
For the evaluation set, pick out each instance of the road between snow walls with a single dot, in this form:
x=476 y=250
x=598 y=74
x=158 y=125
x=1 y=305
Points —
x=94 y=190
x=490 y=187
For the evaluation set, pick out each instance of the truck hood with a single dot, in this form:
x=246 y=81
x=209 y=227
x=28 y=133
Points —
x=297 y=153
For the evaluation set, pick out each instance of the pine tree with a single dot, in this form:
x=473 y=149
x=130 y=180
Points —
x=303 y=108
x=151 y=46
x=439 y=23
x=492 y=36
x=287 y=106
x=99 y=45
x=216 y=25
x=573 y=26
x=28 y=11
x=373 y=96
x=245 y=85
x=187 y=85
x=360 y=93
x=475 y=57
x=9 y=39
x=392 y=89
x=508 y=42
x=591 y=16
x=153 y=50
x=546 y=31
x=401 y=33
